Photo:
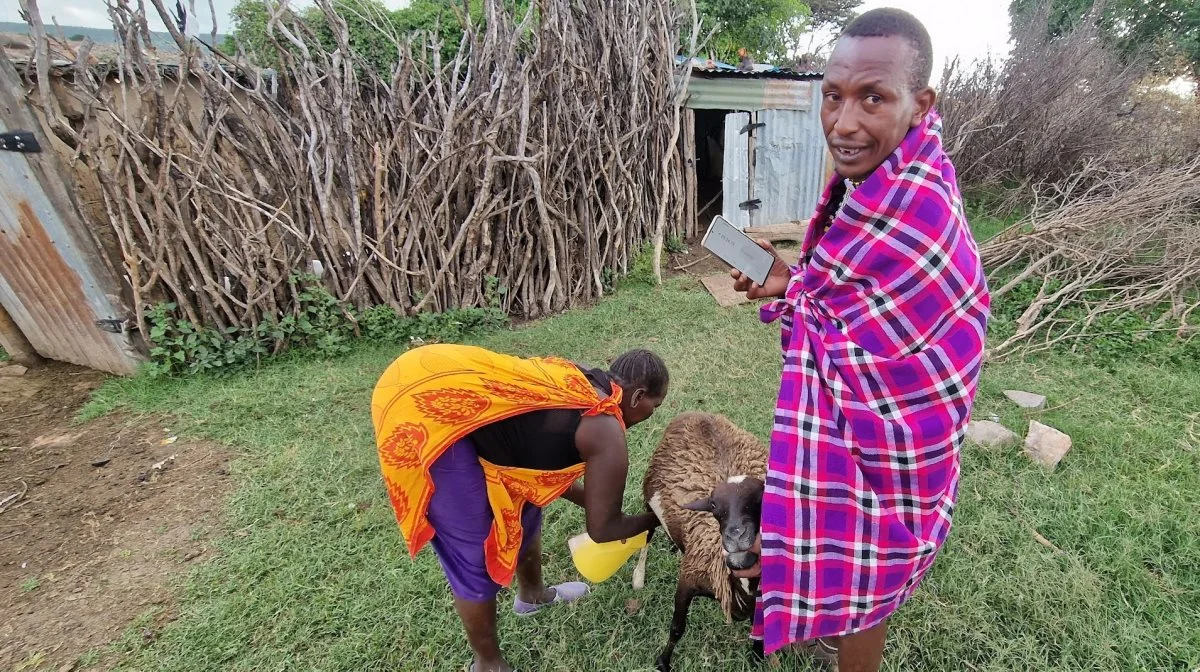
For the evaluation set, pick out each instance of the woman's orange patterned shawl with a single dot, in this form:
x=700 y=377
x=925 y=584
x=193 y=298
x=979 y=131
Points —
x=434 y=395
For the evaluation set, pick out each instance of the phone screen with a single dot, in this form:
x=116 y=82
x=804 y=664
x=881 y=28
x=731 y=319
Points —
x=735 y=248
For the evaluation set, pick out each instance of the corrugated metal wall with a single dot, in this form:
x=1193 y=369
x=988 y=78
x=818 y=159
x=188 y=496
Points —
x=44 y=280
x=789 y=168
x=749 y=94
x=51 y=282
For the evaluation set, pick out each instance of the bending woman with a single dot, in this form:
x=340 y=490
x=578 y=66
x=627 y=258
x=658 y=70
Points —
x=473 y=444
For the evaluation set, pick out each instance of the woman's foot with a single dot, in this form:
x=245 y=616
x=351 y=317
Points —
x=539 y=595
x=563 y=592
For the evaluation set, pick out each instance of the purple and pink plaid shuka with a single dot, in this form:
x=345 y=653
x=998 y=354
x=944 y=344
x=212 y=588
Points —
x=883 y=335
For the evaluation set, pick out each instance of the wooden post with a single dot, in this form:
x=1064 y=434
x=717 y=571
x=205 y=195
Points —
x=15 y=343
x=690 y=180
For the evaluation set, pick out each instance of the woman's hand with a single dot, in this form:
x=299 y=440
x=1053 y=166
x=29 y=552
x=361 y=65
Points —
x=777 y=279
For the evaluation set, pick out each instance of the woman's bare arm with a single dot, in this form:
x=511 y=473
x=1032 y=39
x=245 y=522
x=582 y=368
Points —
x=601 y=443
x=574 y=494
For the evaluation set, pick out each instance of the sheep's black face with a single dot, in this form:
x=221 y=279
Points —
x=737 y=506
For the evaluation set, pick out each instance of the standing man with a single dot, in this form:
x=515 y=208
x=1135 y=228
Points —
x=883 y=327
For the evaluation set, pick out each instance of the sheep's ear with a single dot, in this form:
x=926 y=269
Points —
x=704 y=504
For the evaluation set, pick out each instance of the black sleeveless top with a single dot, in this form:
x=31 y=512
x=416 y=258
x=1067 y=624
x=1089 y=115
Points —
x=542 y=440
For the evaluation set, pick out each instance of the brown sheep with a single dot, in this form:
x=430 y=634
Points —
x=705 y=484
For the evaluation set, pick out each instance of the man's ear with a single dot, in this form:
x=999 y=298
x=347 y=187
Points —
x=704 y=504
x=926 y=99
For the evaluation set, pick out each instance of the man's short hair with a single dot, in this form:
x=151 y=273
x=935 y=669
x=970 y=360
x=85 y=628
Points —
x=886 y=22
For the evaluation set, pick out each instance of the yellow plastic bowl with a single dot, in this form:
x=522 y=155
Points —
x=598 y=562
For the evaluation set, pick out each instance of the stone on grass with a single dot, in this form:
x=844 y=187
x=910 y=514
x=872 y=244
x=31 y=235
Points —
x=13 y=370
x=1046 y=445
x=989 y=434
x=1026 y=399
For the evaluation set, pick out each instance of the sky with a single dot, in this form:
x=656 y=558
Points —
x=954 y=29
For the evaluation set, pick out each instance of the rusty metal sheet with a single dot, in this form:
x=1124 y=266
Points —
x=782 y=94
x=750 y=95
x=51 y=281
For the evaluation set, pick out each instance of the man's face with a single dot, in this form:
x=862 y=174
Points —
x=868 y=103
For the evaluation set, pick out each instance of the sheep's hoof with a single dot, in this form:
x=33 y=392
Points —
x=757 y=653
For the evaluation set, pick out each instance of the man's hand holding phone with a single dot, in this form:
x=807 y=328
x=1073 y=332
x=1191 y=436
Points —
x=776 y=283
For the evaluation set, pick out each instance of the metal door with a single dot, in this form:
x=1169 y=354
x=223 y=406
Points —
x=789 y=161
x=735 y=171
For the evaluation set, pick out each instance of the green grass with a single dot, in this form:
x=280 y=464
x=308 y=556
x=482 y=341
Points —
x=308 y=581
x=982 y=217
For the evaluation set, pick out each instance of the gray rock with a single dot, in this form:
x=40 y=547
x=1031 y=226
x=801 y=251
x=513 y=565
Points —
x=990 y=434
x=1045 y=444
x=13 y=370
x=1025 y=399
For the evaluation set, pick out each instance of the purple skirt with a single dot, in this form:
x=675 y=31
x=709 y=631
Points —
x=461 y=518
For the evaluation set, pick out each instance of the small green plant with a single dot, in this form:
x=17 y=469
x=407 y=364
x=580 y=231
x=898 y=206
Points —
x=382 y=324
x=31 y=584
x=494 y=292
x=675 y=245
x=641 y=271
x=608 y=280
x=34 y=661
x=77 y=37
x=319 y=323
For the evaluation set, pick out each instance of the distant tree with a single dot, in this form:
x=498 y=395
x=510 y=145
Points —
x=77 y=37
x=768 y=30
x=1166 y=31
x=832 y=14
x=373 y=29
x=778 y=31
x=248 y=20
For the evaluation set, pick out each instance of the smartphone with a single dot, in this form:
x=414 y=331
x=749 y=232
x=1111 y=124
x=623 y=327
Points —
x=729 y=244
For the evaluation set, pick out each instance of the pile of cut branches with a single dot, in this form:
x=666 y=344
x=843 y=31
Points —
x=524 y=173
x=1101 y=244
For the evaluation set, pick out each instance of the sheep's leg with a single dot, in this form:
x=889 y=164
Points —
x=684 y=594
x=757 y=652
x=639 y=570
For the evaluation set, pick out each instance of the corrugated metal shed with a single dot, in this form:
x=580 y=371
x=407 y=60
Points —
x=775 y=156
x=719 y=86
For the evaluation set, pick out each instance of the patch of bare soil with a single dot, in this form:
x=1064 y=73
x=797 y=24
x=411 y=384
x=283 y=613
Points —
x=96 y=519
x=696 y=261
x=699 y=262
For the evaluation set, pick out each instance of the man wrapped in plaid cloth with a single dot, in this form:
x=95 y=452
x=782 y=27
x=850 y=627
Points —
x=883 y=326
